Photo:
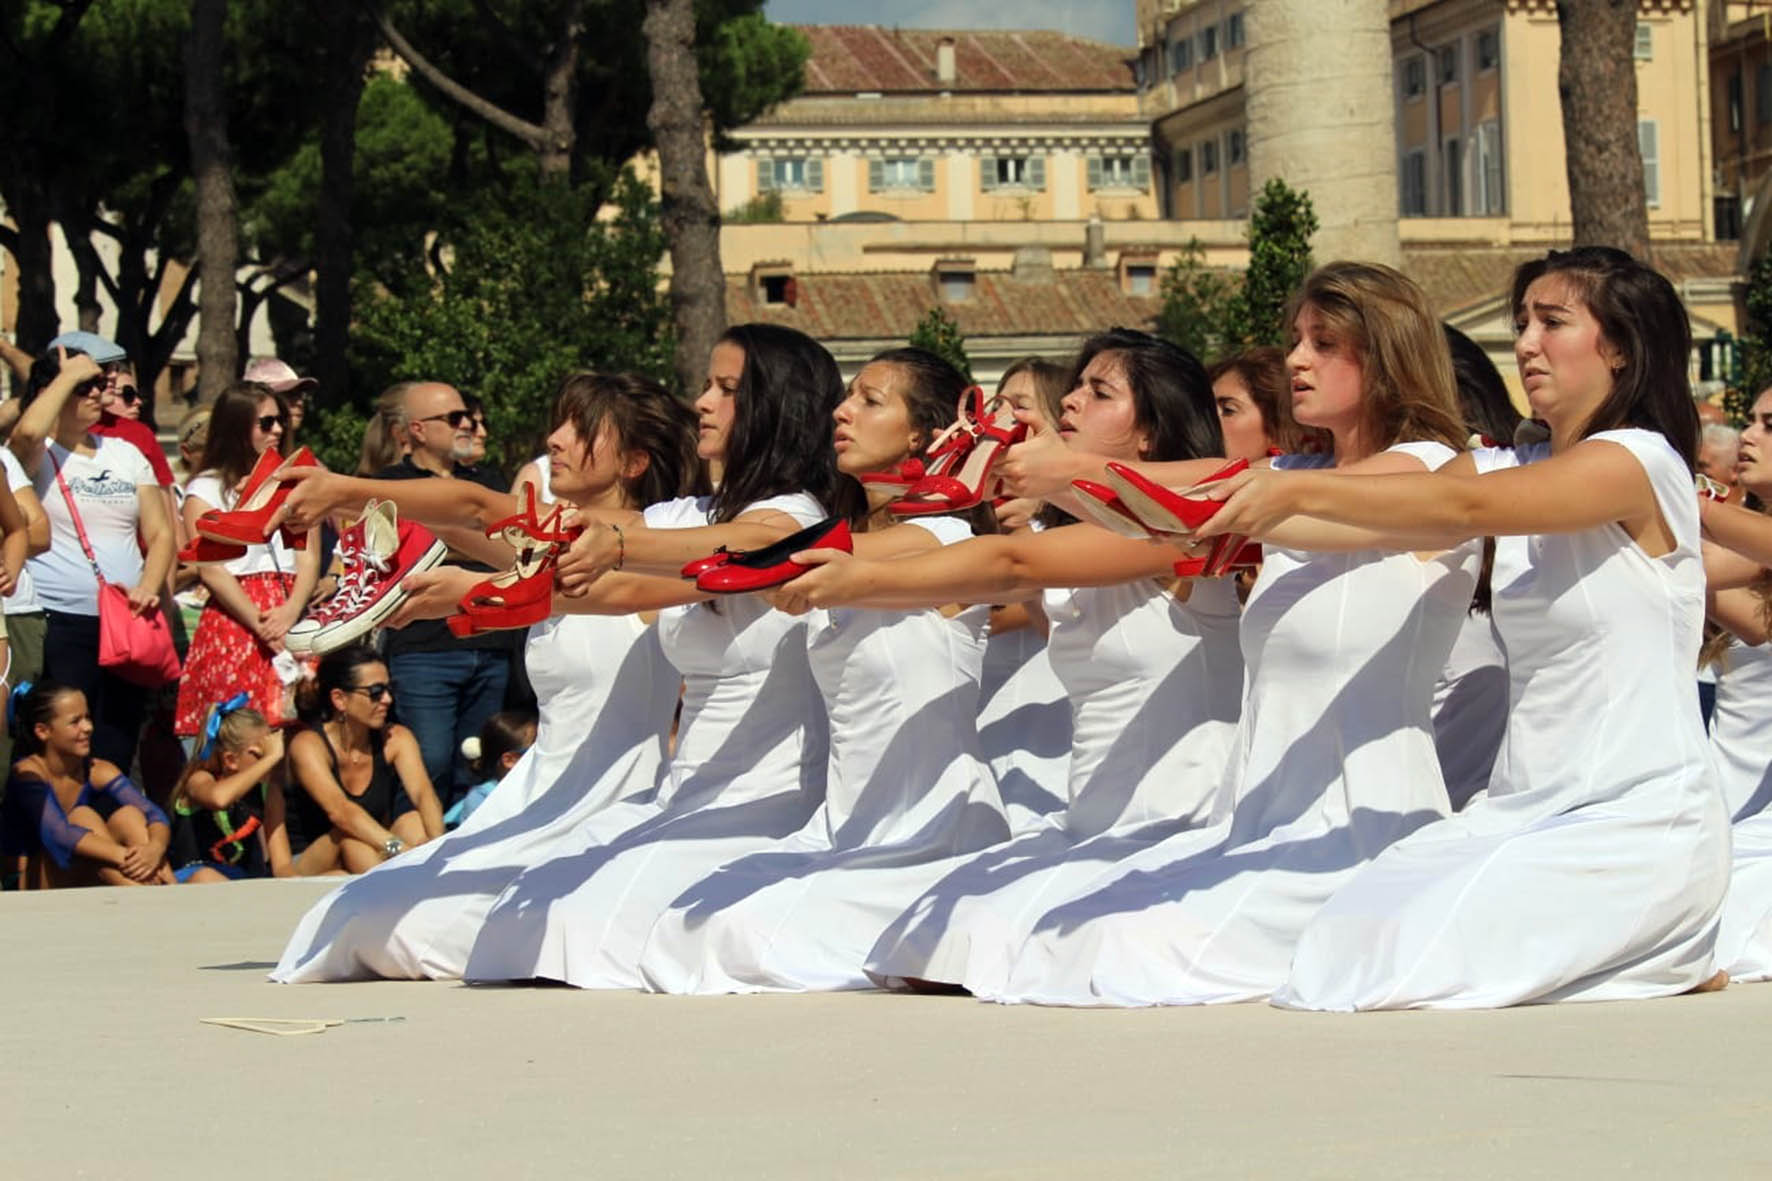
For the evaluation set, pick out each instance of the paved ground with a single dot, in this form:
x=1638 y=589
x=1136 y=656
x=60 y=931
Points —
x=109 y=1074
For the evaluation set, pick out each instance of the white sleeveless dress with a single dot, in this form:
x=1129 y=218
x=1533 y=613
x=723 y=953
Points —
x=1470 y=710
x=905 y=786
x=747 y=769
x=1024 y=726
x=1154 y=686
x=1333 y=761
x=1741 y=741
x=606 y=694
x=1595 y=867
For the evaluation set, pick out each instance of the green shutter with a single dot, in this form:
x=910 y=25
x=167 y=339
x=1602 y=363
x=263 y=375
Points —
x=987 y=173
x=815 y=175
x=876 y=175
x=926 y=174
x=1141 y=172
x=1094 y=173
x=765 y=174
x=1036 y=172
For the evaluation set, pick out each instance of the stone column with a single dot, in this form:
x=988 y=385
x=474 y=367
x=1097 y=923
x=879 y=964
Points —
x=1322 y=118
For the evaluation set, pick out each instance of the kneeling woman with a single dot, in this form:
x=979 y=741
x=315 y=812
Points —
x=74 y=820
x=357 y=793
x=1596 y=865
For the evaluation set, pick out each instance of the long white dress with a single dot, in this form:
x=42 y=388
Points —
x=1741 y=741
x=1024 y=726
x=905 y=786
x=1154 y=685
x=748 y=768
x=606 y=693
x=1470 y=709
x=1333 y=761
x=1595 y=866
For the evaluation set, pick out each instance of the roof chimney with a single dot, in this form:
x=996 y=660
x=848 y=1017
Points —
x=944 y=61
x=1095 y=243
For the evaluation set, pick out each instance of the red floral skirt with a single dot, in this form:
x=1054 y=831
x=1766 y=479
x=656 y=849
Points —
x=225 y=658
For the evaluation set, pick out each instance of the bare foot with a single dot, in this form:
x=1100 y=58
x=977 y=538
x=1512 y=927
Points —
x=1716 y=983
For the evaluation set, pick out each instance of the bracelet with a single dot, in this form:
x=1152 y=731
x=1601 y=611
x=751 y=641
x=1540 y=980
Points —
x=621 y=546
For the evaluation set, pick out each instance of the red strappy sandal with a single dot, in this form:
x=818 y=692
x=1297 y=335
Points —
x=1161 y=510
x=975 y=443
x=1101 y=505
x=524 y=594
x=260 y=498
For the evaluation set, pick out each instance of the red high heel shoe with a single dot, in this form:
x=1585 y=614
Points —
x=1101 y=505
x=260 y=497
x=203 y=552
x=1159 y=509
x=524 y=594
x=973 y=445
x=751 y=570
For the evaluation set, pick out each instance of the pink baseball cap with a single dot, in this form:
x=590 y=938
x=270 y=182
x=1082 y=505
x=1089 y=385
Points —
x=278 y=375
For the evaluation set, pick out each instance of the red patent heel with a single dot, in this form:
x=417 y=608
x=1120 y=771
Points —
x=260 y=498
x=524 y=594
x=1101 y=505
x=1161 y=510
x=973 y=445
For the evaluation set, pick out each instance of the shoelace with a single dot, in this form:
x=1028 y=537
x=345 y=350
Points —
x=363 y=570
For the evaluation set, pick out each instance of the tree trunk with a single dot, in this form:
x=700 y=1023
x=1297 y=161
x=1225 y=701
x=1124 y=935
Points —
x=690 y=218
x=1597 y=81
x=351 y=41
x=560 y=98
x=37 y=319
x=218 y=238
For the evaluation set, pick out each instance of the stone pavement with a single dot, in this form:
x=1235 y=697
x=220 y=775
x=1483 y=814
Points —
x=109 y=1074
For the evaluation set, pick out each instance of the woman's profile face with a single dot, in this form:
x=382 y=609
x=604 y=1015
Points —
x=716 y=408
x=580 y=473
x=1245 y=434
x=370 y=697
x=1099 y=415
x=1566 y=363
x=262 y=438
x=69 y=728
x=1328 y=383
x=873 y=430
x=1023 y=393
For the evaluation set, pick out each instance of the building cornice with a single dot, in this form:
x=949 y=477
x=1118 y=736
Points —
x=1549 y=7
x=910 y=141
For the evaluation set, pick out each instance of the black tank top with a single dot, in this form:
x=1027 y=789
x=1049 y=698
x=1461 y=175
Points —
x=228 y=836
x=306 y=820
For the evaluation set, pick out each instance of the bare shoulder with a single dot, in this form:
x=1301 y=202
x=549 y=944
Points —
x=103 y=771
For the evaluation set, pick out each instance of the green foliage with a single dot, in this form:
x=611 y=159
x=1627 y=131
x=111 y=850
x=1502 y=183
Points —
x=1756 y=342
x=1214 y=313
x=335 y=434
x=748 y=66
x=765 y=208
x=938 y=333
x=535 y=286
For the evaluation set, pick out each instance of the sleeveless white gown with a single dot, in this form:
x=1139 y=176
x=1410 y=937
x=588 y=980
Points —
x=1333 y=761
x=905 y=786
x=1741 y=741
x=748 y=768
x=1024 y=726
x=1595 y=867
x=417 y=916
x=1154 y=685
x=1470 y=710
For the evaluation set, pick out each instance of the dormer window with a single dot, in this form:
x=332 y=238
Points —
x=773 y=285
x=956 y=279
x=1138 y=274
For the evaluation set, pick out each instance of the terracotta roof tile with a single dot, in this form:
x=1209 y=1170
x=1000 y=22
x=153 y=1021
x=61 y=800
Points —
x=833 y=307
x=850 y=58
x=1457 y=279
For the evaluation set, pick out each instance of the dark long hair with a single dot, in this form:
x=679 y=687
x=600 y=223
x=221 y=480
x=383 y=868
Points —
x=1482 y=394
x=647 y=418
x=1641 y=316
x=1262 y=370
x=1051 y=383
x=781 y=425
x=1171 y=396
x=227 y=450
x=931 y=389
x=338 y=670
x=26 y=711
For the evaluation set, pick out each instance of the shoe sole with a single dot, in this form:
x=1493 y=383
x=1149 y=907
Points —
x=336 y=635
x=1109 y=518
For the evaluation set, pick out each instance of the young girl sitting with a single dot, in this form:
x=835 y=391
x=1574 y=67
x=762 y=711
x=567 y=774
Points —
x=71 y=819
x=502 y=742
x=228 y=805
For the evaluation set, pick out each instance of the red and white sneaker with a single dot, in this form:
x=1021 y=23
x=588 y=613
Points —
x=378 y=552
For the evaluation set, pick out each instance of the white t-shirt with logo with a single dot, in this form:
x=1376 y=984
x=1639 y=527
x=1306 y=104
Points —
x=23 y=599
x=274 y=558
x=104 y=485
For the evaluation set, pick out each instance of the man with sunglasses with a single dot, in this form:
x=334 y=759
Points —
x=447 y=687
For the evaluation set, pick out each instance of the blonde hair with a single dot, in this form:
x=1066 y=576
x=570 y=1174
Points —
x=235 y=732
x=383 y=438
x=1410 y=392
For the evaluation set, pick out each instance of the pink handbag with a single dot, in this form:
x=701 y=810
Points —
x=137 y=648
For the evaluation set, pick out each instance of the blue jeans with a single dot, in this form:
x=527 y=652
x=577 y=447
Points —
x=444 y=697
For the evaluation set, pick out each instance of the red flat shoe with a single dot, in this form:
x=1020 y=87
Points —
x=1101 y=505
x=1161 y=510
x=701 y=566
x=752 y=570
x=524 y=594
x=245 y=523
x=967 y=481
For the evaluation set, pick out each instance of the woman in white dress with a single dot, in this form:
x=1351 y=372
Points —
x=1596 y=864
x=1152 y=673
x=905 y=783
x=1333 y=758
x=618 y=442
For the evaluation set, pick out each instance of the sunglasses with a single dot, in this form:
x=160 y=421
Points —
x=455 y=418
x=267 y=421
x=374 y=692
x=127 y=395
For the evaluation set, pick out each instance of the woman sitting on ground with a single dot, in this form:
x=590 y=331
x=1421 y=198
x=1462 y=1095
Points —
x=357 y=793
x=228 y=805
x=74 y=820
